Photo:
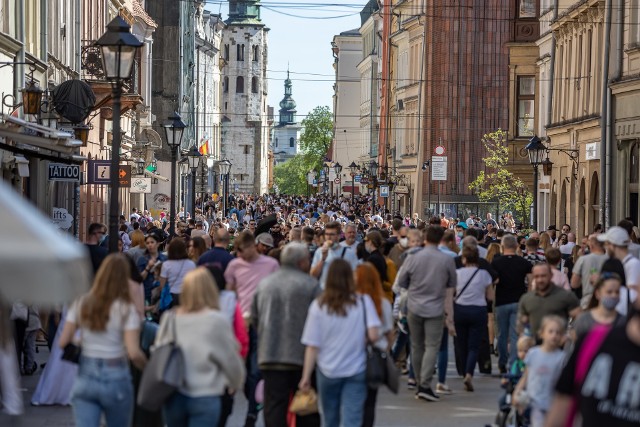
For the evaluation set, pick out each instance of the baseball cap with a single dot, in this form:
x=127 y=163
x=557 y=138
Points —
x=615 y=235
x=266 y=239
x=462 y=225
x=552 y=227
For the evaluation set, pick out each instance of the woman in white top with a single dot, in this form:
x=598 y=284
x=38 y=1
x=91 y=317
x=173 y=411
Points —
x=470 y=310
x=176 y=268
x=110 y=331
x=212 y=358
x=335 y=335
x=368 y=283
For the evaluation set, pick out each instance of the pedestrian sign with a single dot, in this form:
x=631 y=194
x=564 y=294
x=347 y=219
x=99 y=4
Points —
x=384 y=191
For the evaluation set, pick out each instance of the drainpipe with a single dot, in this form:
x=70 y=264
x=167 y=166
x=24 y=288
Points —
x=78 y=25
x=18 y=70
x=605 y=154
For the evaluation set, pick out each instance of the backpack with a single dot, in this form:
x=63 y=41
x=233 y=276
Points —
x=387 y=284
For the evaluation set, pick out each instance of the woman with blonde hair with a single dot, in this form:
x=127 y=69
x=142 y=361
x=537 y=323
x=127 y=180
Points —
x=335 y=321
x=137 y=245
x=545 y=243
x=368 y=283
x=212 y=359
x=493 y=250
x=110 y=331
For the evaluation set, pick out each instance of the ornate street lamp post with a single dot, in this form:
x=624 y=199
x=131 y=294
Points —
x=537 y=151
x=224 y=167
x=174 y=130
x=325 y=169
x=118 y=47
x=193 y=157
x=338 y=168
x=354 y=170
x=373 y=174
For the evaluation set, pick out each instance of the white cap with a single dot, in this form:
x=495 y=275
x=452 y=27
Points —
x=616 y=236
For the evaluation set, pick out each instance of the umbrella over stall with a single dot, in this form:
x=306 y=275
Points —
x=38 y=264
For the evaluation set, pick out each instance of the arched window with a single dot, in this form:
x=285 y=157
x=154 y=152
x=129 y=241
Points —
x=255 y=52
x=292 y=142
x=225 y=85
x=254 y=85
x=240 y=52
x=226 y=52
x=276 y=142
x=240 y=84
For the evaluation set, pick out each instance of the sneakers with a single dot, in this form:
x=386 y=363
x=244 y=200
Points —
x=443 y=389
x=427 y=394
x=468 y=385
x=411 y=384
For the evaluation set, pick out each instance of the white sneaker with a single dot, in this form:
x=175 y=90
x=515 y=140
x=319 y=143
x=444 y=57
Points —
x=443 y=389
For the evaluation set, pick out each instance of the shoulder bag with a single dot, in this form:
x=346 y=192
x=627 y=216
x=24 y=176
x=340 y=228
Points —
x=164 y=372
x=467 y=284
x=380 y=368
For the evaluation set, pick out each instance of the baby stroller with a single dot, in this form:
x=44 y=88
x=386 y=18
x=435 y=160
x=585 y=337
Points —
x=508 y=415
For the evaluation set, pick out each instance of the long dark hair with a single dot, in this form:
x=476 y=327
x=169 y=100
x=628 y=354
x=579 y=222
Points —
x=340 y=288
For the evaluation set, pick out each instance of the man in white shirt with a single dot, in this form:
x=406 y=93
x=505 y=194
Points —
x=329 y=251
x=617 y=242
x=567 y=248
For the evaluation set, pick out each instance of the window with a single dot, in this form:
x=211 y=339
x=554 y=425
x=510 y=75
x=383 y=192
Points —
x=254 y=85
x=240 y=52
x=240 y=84
x=255 y=53
x=526 y=105
x=527 y=9
x=225 y=85
x=276 y=142
x=634 y=24
x=226 y=52
x=247 y=149
x=292 y=142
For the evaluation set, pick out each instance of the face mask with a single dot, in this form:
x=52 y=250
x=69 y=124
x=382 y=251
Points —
x=459 y=233
x=609 y=303
x=404 y=242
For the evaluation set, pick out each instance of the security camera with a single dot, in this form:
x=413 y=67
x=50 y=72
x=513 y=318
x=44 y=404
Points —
x=425 y=165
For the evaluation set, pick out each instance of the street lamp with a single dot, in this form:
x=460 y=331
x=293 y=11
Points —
x=193 y=157
x=174 y=130
x=537 y=151
x=224 y=167
x=354 y=170
x=373 y=174
x=325 y=169
x=118 y=47
x=338 y=168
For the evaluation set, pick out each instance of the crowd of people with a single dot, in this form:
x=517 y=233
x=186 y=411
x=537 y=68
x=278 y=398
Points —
x=282 y=294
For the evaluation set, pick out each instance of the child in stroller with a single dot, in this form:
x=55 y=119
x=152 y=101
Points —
x=508 y=415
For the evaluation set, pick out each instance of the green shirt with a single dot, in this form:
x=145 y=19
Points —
x=557 y=302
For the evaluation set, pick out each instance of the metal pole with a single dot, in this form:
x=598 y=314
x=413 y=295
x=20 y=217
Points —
x=429 y=190
x=535 y=198
x=193 y=193
x=225 y=190
x=172 y=206
x=114 y=216
x=438 y=203
x=353 y=190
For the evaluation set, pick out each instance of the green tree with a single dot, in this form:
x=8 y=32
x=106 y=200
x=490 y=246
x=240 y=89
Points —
x=317 y=133
x=497 y=183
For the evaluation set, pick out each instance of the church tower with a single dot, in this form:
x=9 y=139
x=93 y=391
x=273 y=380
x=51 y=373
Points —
x=286 y=134
x=245 y=122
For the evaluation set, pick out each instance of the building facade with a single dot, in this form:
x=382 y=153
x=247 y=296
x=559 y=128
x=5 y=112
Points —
x=286 y=133
x=245 y=123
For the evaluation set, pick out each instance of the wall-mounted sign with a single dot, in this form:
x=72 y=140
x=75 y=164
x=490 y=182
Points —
x=140 y=185
x=64 y=172
x=384 y=191
x=61 y=218
x=99 y=171
x=124 y=175
x=402 y=189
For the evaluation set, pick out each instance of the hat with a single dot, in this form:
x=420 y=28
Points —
x=615 y=235
x=266 y=239
x=462 y=224
x=552 y=227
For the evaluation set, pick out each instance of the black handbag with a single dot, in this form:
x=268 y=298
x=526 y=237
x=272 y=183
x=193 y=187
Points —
x=71 y=353
x=380 y=368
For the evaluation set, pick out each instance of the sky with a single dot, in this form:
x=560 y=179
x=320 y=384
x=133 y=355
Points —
x=303 y=42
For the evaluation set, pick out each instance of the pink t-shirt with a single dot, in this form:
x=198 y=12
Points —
x=246 y=276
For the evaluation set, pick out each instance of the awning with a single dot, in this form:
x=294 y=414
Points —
x=24 y=132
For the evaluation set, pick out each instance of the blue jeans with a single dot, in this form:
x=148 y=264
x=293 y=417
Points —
x=253 y=374
x=186 y=411
x=506 y=317
x=443 y=356
x=470 y=321
x=403 y=341
x=341 y=400
x=103 y=386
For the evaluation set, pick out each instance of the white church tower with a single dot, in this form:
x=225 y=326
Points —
x=245 y=126
x=286 y=134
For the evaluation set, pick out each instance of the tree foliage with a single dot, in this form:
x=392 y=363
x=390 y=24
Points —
x=497 y=183
x=291 y=177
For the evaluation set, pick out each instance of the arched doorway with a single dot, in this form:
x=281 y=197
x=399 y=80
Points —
x=594 y=200
x=562 y=212
x=581 y=229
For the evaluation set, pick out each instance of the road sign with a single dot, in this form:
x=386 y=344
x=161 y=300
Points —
x=440 y=150
x=402 y=189
x=364 y=180
x=124 y=175
x=357 y=178
x=384 y=191
x=438 y=168
x=99 y=171
x=336 y=181
x=64 y=172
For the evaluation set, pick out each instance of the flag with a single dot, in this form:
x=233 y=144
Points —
x=204 y=147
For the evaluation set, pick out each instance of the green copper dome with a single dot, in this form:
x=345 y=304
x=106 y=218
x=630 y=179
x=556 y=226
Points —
x=244 y=12
x=287 y=105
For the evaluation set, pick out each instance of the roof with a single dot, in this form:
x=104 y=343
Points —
x=351 y=33
x=139 y=12
x=370 y=8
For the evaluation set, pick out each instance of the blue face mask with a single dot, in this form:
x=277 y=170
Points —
x=609 y=303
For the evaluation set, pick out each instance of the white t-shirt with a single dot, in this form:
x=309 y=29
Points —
x=340 y=352
x=568 y=248
x=174 y=271
x=631 y=270
x=349 y=255
x=107 y=344
x=476 y=291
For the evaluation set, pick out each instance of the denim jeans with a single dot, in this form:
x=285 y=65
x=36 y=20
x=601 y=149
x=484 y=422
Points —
x=103 y=386
x=426 y=336
x=253 y=374
x=341 y=400
x=470 y=321
x=403 y=341
x=443 y=356
x=506 y=317
x=185 y=411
